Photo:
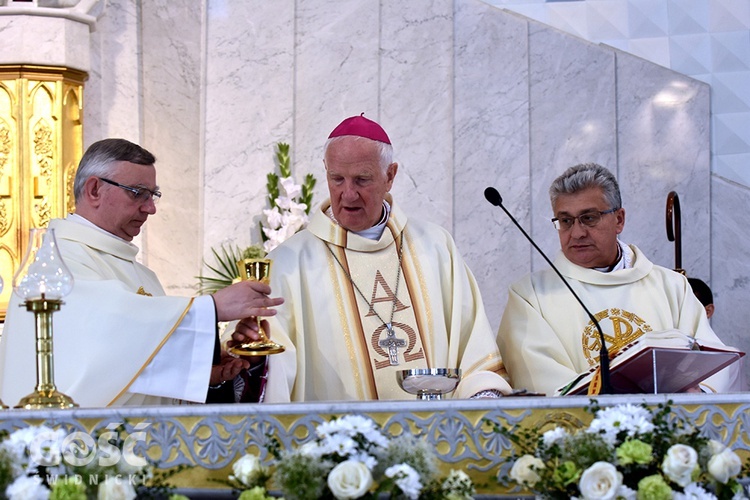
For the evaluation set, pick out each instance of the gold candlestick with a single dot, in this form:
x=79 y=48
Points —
x=42 y=281
x=46 y=394
x=256 y=270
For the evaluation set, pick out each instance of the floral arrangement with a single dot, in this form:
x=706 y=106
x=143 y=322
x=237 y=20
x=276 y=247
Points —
x=627 y=452
x=290 y=202
x=351 y=458
x=38 y=462
x=290 y=205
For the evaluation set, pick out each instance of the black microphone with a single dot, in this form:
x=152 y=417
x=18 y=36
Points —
x=494 y=197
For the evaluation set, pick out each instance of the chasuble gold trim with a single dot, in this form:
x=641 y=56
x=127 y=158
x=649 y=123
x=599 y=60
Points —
x=153 y=354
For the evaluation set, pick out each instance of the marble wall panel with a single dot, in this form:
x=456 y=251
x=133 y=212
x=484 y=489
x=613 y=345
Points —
x=572 y=118
x=730 y=268
x=249 y=99
x=416 y=102
x=664 y=135
x=491 y=147
x=337 y=75
x=112 y=92
x=171 y=97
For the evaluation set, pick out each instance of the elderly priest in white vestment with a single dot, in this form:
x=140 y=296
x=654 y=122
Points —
x=118 y=340
x=370 y=292
x=547 y=339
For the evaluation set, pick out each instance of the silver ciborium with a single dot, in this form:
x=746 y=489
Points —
x=429 y=383
x=256 y=270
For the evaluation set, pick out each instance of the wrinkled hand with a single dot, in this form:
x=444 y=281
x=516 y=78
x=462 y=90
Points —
x=245 y=299
x=228 y=368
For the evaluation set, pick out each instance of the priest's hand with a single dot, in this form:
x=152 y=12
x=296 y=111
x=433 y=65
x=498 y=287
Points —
x=245 y=299
x=228 y=368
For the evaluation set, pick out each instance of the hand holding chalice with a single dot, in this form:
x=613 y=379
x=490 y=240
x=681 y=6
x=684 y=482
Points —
x=256 y=270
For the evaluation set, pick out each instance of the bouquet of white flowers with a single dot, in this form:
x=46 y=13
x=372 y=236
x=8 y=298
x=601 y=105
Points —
x=38 y=462
x=627 y=452
x=289 y=202
x=351 y=458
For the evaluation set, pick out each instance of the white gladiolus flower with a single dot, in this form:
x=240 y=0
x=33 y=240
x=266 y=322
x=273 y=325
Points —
x=349 y=479
x=406 y=478
x=290 y=188
x=27 y=488
x=525 y=469
x=679 y=464
x=724 y=465
x=273 y=218
x=116 y=488
x=601 y=481
x=247 y=468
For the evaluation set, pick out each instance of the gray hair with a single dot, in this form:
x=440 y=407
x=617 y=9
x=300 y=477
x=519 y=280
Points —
x=99 y=158
x=585 y=176
x=386 y=150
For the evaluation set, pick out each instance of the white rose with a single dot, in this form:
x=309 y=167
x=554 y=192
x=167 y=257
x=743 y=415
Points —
x=679 y=464
x=27 y=488
x=247 y=468
x=715 y=447
x=524 y=470
x=724 y=465
x=601 y=481
x=349 y=479
x=116 y=488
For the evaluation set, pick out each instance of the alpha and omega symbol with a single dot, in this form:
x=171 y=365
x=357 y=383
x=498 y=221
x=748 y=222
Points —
x=385 y=340
x=620 y=329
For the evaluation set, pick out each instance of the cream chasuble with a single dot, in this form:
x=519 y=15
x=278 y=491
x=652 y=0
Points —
x=546 y=338
x=338 y=345
x=117 y=339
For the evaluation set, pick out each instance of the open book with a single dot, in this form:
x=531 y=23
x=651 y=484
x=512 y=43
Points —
x=664 y=362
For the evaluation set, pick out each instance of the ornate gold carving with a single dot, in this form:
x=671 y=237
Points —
x=41 y=142
x=5 y=151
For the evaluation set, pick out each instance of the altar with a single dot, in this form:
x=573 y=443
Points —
x=207 y=439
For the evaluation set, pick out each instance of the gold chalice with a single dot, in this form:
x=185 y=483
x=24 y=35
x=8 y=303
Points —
x=256 y=270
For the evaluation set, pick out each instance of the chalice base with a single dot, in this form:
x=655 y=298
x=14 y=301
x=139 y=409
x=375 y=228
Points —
x=429 y=384
x=257 y=348
x=44 y=400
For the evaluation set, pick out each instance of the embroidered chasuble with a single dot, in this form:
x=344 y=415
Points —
x=342 y=291
x=546 y=338
x=117 y=339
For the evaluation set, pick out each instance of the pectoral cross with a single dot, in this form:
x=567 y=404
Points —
x=392 y=344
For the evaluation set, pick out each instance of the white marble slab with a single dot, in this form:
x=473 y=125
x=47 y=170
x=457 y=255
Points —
x=491 y=147
x=171 y=116
x=249 y=101
x=730 y=265
x=45 y=41
x=663 y=145
x=572 y=118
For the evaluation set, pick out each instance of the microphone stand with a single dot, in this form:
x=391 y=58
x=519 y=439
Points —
x=493 y=196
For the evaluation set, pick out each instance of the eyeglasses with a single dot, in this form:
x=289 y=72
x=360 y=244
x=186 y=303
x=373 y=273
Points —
x=140 y=194
x=589 y=219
